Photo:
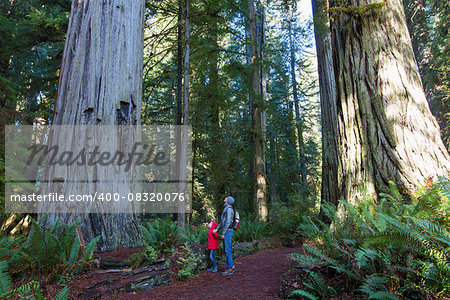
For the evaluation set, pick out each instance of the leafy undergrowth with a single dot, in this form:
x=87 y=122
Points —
x=393 y=249
x=46 y=255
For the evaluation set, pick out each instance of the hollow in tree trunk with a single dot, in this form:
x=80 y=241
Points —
x=101 y=84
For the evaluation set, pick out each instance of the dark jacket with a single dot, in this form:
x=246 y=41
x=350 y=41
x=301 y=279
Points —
x=226 y=219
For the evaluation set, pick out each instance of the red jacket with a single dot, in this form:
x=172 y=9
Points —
x=213 y=238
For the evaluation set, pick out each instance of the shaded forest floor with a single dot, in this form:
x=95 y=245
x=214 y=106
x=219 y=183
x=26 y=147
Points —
x=258 y=276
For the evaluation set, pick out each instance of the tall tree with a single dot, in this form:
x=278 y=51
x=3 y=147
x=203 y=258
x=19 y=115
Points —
x=328 y=105
x=184 y=133
x=298 y=119
x=385 y=130
x=101 y=83
x=257 y=37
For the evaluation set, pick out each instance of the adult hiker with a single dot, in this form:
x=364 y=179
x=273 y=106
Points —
x=226 y=225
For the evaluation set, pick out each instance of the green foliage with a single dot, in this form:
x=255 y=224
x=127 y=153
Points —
x=388 y=250
x=191 y=262
x=54 y=250
x=142 y=258
x=29 y=290
x=313 y=282
x=250 y=231
x=284 y=219
x=5 y=279
x=195 y=235
x=26 y=290
x=162 y=234
x=359 y=11
x=63 y=294
x=302 y=293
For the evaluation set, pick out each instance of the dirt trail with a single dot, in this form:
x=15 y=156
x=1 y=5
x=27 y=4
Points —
x=258 y=276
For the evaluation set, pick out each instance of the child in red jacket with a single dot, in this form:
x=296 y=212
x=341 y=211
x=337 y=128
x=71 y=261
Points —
x=213 y=244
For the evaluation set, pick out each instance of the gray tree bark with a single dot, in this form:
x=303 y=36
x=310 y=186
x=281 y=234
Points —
x=385 y=130
x=101 y=84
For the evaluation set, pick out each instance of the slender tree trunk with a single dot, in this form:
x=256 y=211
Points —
x=273 y=189
x=259 y=116
x=179 y=95
x=215 y=102
x=250 y=124
x=101 y=83
x=327 y=83
x=298 y=120
x=385 y=128
x=183 y=158
x=179 y=120
x=292 y=151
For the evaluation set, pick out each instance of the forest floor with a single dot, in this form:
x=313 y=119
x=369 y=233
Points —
x=258 y=276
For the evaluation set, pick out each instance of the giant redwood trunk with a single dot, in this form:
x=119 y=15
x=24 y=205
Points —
x=101 y=84
x=385 y=130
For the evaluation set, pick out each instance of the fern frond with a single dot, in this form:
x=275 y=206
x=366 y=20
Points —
x=373 y=286
x=5 y=278
x=90 y=249
x=303 y=293
x=63 y=294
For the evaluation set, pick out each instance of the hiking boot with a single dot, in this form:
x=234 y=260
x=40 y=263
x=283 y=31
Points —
x=214 y=270
x=228 y=272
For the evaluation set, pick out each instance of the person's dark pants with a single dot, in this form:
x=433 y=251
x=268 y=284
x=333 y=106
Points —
x=213 y=259
x=227 y=248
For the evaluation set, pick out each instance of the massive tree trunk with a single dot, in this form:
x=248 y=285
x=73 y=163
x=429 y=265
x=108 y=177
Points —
x=423 y=25
x=328 y=106
x=257 y=36
x=385 y=130
x=101 y=83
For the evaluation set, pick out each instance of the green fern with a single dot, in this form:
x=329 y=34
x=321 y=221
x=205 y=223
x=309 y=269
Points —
x=29 y=290
x=162 y=234
x=394 y=244
x=303 y=293
x=374 y=287
x=5 y=278
x=63 y=294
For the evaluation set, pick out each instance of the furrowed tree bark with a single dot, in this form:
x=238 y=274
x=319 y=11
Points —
x=101 y=84
x=258 y=98
x=385 y=130
x=328 y=105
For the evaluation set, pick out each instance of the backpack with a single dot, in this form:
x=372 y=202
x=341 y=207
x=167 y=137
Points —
x=236 y=220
